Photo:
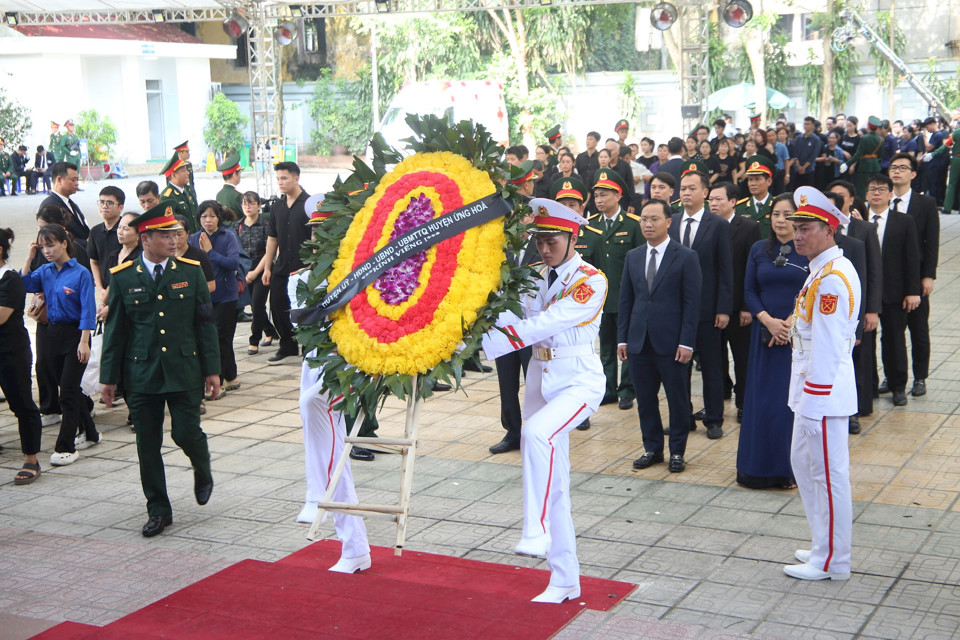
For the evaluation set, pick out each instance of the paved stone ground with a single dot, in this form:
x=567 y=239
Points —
x=706 y=555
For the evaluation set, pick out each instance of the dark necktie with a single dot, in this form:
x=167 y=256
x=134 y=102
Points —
x=651 y=269
x=609 y=223
x=686 y=232
x=876 y=221
x=157 y=272
x=552 y=277
x=896 y=204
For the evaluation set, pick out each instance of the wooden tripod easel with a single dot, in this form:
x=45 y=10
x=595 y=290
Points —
x=406 y=446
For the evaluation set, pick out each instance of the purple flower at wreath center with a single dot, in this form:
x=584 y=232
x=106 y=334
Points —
x=398 y=283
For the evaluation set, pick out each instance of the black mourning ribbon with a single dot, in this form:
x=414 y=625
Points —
x=409 y=244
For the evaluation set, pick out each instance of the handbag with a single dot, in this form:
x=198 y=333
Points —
x=765 y=335
x=37 y=309
x=90 y=382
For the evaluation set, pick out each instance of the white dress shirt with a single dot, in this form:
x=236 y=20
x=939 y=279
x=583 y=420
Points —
x=694 y=225
x=881 y=223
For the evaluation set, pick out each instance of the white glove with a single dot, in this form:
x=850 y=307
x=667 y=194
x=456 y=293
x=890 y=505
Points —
x=843 y=168
x=808 y=426
x=927 y=158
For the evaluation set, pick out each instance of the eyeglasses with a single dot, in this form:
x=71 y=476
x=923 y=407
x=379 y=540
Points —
x=781 y=260
x=897 y=168
x=877 y=190
x=106 y=203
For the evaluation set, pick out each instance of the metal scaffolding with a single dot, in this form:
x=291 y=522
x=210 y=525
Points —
x=266 y=98
x=694 y=24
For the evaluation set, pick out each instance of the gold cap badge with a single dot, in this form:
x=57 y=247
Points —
x=567 y=185
x=803 y=200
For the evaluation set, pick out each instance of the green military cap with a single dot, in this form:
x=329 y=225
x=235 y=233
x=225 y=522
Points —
x=874 y=122
x=759 y=165
x=568 y=188
x=609 y=179
x=522 y=173
x=553 y=133
x=621 y=124
x=68 y=123
x=172 y=165
x=230 y=164
x=183 y=146
x=693 y=165
x=158 y=217
x=754 y=117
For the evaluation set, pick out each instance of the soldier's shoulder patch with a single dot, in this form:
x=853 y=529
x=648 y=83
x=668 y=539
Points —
x=596 y=231
x=582 y=293
x=587 y=269
x=633 y=216
x=828 y=303
x=195 y=263
x=593 y=216
x=167 y=192
x=121 y=266
x=743 y=200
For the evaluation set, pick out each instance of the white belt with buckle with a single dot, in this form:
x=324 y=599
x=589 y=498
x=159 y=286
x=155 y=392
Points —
x=574 y=351
x=801 y=345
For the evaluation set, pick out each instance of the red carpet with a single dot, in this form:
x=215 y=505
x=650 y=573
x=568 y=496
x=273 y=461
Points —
x=418 y=595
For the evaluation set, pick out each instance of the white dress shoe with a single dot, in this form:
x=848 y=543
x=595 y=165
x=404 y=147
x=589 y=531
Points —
x=49 y=419
x=85 y=443
x=63 y=459
x=556 y=595
x=803 y=555
x=352 y=565
x=535 y=547
x=308 y=513
x=80 y=439
x=807 y=571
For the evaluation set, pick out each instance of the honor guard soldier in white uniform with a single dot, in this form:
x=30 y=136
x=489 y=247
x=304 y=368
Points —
x=822 y=388
x=565 y=384
x=324 y=431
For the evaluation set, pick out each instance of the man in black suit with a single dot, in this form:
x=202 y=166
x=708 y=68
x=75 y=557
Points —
x=42 y=162
x=744 y=233
x=865 y=353
x=923 y=210
x=707 y=234
x=901 y=280
x=672 y=166
x=657 y=327
x=66 y=181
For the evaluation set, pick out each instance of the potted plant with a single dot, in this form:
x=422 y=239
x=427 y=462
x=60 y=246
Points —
x=101 y=135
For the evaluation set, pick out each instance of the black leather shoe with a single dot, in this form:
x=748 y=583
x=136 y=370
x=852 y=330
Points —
x=625 y=403
x=884 y=387
x=442 y=386
x=583 y=426
x=899 y=399
x=854 y=425
x=677 y=464
x=647 y=460
x=700 y=415
x=359 y=453
x=714 y=433
x=739 y=415
x=202 y=488
x=919 y=388
x=505 y=445
x=155 y=525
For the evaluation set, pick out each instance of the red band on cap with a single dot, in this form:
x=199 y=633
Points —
x=231 y=170
x=549 y=223
x=523 y=179
x=156 y=223
x=569 y=193
x=556 y=136
x=608 y=184
x=820 y=214
x=176 y=165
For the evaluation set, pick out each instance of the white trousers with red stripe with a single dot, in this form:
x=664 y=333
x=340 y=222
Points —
x=545 y=449
x=324 y=431
x=821 y=465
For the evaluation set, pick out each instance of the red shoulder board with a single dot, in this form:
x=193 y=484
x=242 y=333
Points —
x=590 y=271
x=582 y=293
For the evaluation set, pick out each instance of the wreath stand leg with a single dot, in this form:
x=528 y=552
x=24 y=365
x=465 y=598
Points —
x=407 y=446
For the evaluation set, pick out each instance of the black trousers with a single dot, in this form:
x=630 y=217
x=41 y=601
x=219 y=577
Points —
x=280 y=310
x=739 y=340
x=61 y=354
x=225 y=315
x=918 y=321
x=865 y=370
x=649 y=371
x=47 y=378
x=509 y=367
x=261 y=324
x=893 y=346
x=711 y=370
x=610 y=362
x=15 y=385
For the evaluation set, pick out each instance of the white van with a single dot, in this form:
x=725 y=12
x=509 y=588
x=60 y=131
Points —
x=478 y=100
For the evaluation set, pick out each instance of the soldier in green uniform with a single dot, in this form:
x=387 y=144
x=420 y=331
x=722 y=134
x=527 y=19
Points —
x=622 y=129
x=555 y=138
x=183 y=152
x=866 y=161
x=952 y=197
x=572 y=193
x=229 y=196
x=619 y=233
x=177 y=189
x=161 y=340
x=759 y=204
x=70 y=145
x=54 y=147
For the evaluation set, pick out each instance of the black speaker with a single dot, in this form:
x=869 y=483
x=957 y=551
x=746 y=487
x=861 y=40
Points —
x=690 y=111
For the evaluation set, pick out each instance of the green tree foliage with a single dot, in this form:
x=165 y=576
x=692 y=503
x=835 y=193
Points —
x=629 y=100
x=886 y=23
x=225 y=125
x=101 y=134
x=811 y=77
x=14 y=120
x=947 y=90
x=343 y=113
